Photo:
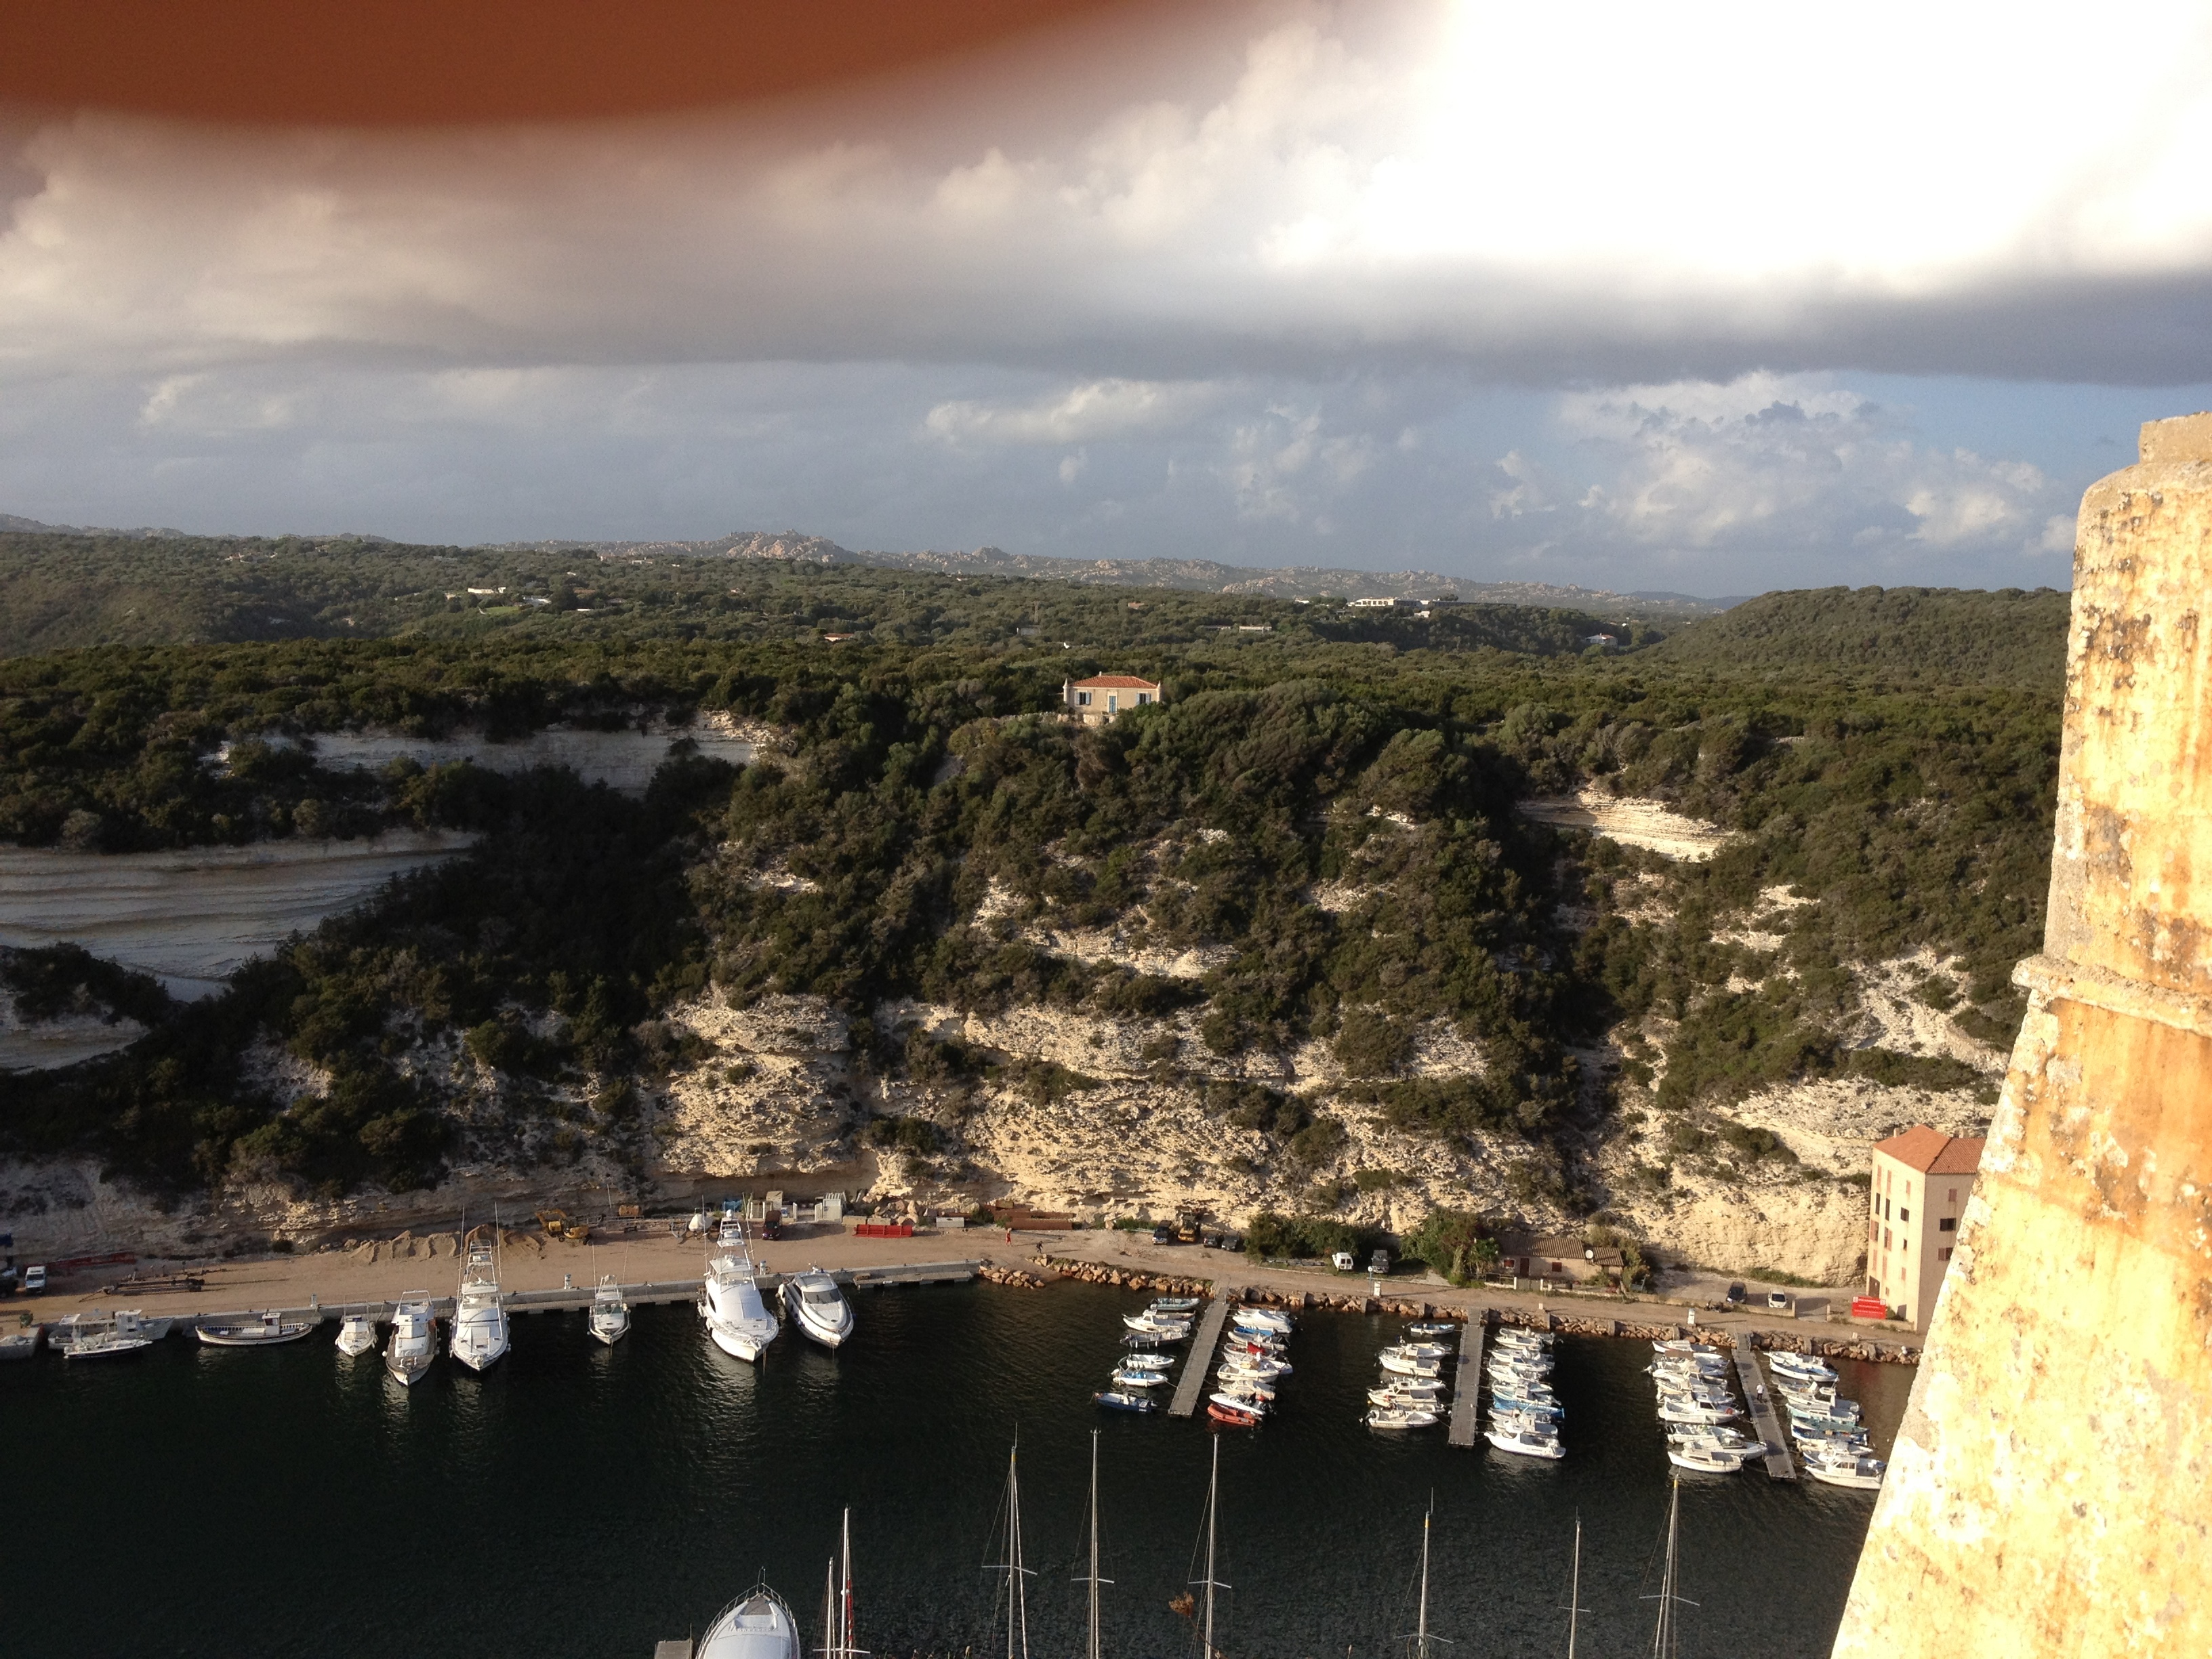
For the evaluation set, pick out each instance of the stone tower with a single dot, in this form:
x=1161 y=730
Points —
x=2050 y=1492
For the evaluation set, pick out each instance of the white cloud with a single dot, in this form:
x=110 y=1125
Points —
x=1093 y=409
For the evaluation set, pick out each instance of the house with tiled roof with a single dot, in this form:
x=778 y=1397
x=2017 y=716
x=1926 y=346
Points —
x=1921 y=1180
x=1097 y=700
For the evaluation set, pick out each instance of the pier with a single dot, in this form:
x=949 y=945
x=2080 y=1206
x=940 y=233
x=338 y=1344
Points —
x=1190 y=1387
x=1466 y=1385
x=1780 y=1465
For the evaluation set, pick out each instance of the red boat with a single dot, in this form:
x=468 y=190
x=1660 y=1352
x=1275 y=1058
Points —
x=1231 y=1416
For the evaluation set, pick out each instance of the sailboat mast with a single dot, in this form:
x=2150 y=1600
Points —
x=1092 y=1652
x=1575 y=1588
x=829 y=1609
x=845 y=1574
x=1662 y=1639
x=1421 y=1628
x=1017 y=1610
x=1213 y=1501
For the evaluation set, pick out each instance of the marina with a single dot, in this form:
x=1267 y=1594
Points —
x=1467 y=1386
x=1780 y=1466
x=1191 y=1388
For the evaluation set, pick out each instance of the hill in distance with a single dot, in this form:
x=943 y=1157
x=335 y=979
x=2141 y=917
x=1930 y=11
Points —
x=1903 y=636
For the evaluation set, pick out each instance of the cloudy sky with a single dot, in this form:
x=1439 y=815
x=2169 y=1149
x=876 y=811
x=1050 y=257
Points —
x=1711 y=299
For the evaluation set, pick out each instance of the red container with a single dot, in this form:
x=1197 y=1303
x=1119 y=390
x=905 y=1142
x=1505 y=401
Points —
x=1869 y=1307
x=884 y=1229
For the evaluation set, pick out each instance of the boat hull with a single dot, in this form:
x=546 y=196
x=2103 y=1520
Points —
x=219 y=1336
x=107 y=1347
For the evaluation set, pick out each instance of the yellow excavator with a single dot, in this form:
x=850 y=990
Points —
x=557 y=1225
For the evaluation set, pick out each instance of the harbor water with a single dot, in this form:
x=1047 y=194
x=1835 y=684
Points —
x=578 y=1500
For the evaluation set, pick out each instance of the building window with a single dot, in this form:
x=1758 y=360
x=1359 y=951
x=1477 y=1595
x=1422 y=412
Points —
x=1951 y=1196
x=1949 y=1224
x=1083 y=699
x=1944 y=1254
x=1905 y=1215
x=1143 y=697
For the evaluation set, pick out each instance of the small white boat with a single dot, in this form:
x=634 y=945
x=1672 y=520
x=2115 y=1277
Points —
x=1117 y=1400
x=1388 y=1396
x=1434 y=1327
x=1262 y=1319
x=264 y=1332
x=609 y=1319
x=1128 y=1379
x=1147 y=1362
x=480 y=1334
x=1172 y=1330
x=1707 y=1459
x=1404 y=1367
x=1524 y=1442
x=1863 y=1472
x=1256 y=1366
x=1719 y=1438
x=1401 y=1416
x=413 y=1341
x=1246 y=1386
x=93 y=1334
x=1174 y=1304
x=1419 y=1350
x=356 y=1334
x=1240 y=1403
x=1678 y=1345
x=738 y=1319
x=814 y=1300
x=1785 y=1364
x=756 y=1626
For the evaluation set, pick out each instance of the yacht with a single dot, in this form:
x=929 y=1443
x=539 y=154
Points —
x=1707 y=1459
x=758 y=1625
x=414 y=1342
x=356 y=1333
x=480 y=1332
x=93 y=1334
x=609 y=1316
x=264 y=1331
x=738 y=1319
x=819 y=1307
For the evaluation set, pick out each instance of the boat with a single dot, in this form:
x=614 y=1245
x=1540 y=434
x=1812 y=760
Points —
x=1128 y=1379
x=1018 y=1574
x=1824 y=1425
x=1419 y=1350
x=1707 y=1459
x=1434 y=1327
x=818 y=1307
x=1719 y=1438
x=1173 y=1305
x=413 y=1341
x=357 y=1335
x=1418 y=1647
x=1403 y=1367
x=1152 y=1325
x=1147 y=1362
x=1574 y=1608
x=1241 y=1402
x=1255 y=1367
x=265 y=1331
x=1262 y=1319
x=1211 y=1582
x=1667 y=1640
x=1784 y=1363
x=1863 y=1471
x=1534 y=1411
x=96 y=1335
x=480 y=1330
x=1676 y=1409
x=609 y=1319
x=1245 y=1388
x=1237 y=1417
x=758 y=1625
x=1677 y=1344
x=1388 y=1396
x=1119 y=1400
x=1401 y=1416
x=1092 y=1647
x=1525 y=1442
x=739 y=1319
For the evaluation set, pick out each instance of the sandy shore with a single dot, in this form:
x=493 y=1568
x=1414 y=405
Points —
x=335 y=1276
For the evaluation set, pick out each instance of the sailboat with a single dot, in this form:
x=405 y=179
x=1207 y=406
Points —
x=1666 y=1640
x=1207 y=1651
x=1017 y=1600
x=480 y=1332
x=1092 y=1647
x=1574 y=1608
x=1420 y=1639
x=837 y=1600
x=737 y=1318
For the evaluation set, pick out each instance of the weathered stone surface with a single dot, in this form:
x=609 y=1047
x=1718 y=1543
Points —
x=2050 y=1491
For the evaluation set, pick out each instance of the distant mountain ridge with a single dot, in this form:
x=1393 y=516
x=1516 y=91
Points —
x=1197 y=575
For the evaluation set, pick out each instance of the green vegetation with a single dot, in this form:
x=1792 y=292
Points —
x=926 y=816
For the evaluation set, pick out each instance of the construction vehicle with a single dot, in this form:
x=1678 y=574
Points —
x=557 y=1225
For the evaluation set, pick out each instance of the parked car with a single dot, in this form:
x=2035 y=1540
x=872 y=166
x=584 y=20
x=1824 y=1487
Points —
x=1735 y=1297
x=1163 y=1234
x=34 y=1280
x=1379 y=1262
x=1777 y=1301
x=1343 y=1261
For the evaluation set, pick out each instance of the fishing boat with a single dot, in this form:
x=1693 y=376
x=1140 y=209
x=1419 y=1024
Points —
x=93 y=1334
x=480 y=1330
x=1235 y=1416
x=1524 y=1441
x=413 y=1341
x=1121 y=1400
x=265 y=1331
x=609 y=1319
x=1401 y=1416
x=357 y=1335
x=823 y=1316
x=738 y=1319
x=1707 y=1460
x=758 y=1625
x=1818 y=1422
x=1863 y=1471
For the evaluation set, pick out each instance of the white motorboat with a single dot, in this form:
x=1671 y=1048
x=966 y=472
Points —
x=1401 y=1416
x=1257 y=1388
x=1677 y=1409
x=264 y=1331
x=1718 y=1437
x=1147 y=1362
x=1707 y=1459
x=1524 y=1442
x=739 y=1319
x=1420 y=1350
x=1121 y=1400
x=1255 y=1367
x=1123 y=1378
x=1786 y=1364
x=93 y=1334
x=480 y=1330
x=413 y=1341
x=356 y=1334
x=1262 y=1319
x=1404 y=1367
x=1175 y=1305
x=1679 y=1345
x=814 y=1300
x=609 y=1320
x=1387 y=1396
x=1241 y=1402
x=1145 y=1324
x=1434 y=1327
x=758 y=1625
x=1862 y=1471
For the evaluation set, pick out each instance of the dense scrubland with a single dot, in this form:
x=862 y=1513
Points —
x=922 y=816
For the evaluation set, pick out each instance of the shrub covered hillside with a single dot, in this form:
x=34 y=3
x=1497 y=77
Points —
x=1898 y=636
x=1283 y=944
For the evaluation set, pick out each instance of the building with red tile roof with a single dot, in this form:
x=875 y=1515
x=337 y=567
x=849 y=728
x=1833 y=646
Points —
x=1921 y=1179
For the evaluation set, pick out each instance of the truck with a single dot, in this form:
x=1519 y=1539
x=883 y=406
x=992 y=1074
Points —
x=34 y=1280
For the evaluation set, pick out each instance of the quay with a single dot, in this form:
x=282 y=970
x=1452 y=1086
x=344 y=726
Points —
x=1190 y=1387
x=1466 y=1385
x=1780 y=1465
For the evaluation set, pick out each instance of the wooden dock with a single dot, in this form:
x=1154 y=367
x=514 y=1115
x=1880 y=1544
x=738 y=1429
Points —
x=1197 y=1365
x=1780 y=1466
x=1466 y=1385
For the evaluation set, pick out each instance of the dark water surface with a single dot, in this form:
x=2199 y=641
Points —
x=583 y=1501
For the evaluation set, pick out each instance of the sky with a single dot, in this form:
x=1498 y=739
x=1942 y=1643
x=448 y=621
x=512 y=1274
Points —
x=1709 y=299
